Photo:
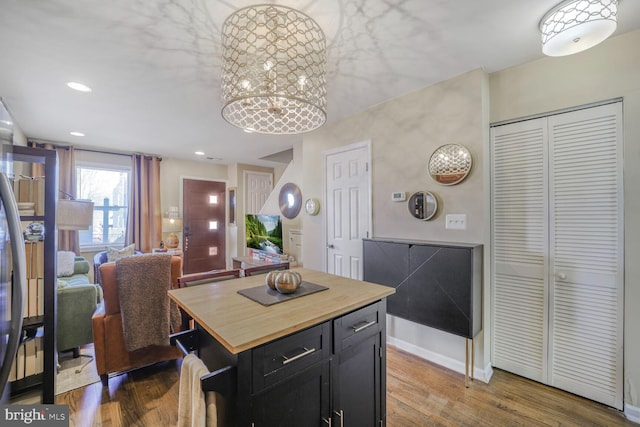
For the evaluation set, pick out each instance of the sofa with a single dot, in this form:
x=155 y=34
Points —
x=78 y=299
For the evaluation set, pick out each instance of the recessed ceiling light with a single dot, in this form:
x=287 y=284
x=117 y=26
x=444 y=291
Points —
x=199 y=153
x=76 y=133
x=79 y=87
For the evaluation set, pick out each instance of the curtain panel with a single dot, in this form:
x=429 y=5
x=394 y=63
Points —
x=144 y=227
x=67 y=239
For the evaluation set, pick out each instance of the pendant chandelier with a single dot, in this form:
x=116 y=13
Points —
x=576 y=25
x=273 y=70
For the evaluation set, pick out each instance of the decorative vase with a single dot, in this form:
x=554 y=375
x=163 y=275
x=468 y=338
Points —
x=172 y=241
x=288 y=281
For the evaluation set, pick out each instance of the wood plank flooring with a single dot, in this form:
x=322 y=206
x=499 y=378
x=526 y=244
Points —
x=419 y=393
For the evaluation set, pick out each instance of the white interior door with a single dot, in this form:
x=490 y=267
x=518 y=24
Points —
x=558 y=251
x=586 y=335
x=348 y=202
x=258 y=186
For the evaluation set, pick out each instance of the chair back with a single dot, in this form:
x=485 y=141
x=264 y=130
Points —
x=262 y=269
x=101 y=258
x=207 y=277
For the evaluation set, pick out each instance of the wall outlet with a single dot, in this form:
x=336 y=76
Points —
x=456 y=222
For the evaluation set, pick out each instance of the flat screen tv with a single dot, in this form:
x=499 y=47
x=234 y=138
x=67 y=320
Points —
x=264 y=233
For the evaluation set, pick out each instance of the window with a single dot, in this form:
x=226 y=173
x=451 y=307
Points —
x=108 y=188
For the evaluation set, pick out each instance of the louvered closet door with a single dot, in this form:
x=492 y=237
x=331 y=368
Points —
x=520 y=205
x=586 y=333
x=558 y=261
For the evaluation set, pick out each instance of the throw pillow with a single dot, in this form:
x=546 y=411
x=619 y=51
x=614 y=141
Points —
x=62 y=284
x=66 y=261
x=116 y=254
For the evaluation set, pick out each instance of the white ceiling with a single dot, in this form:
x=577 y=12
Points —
x=154 y=66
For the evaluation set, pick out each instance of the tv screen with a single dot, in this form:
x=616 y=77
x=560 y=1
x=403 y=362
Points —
x=264 y=233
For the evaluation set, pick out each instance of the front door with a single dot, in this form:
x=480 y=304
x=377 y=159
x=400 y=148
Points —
x=204 y=225
x=348 y=208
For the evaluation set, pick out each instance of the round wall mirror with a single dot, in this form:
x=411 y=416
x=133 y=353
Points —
x=450 y=164
x=290 y=200
x=423 y=205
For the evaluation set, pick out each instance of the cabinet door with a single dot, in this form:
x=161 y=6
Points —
x=300 y=400
x=357 y=387
x=387 y=263
x=440 y=288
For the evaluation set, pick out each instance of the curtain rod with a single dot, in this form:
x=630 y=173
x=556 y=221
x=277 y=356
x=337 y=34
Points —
x=91 y=150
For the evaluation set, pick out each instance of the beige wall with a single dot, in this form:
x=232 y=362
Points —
x=607 y=71
x=404 y=133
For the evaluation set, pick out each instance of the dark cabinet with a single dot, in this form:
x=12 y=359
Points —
x=333 y=373
x=437 y=284
x=299 y=400
x=359 y=367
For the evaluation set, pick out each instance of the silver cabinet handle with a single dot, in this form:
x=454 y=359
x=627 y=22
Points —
x=306 y=352
x=327 y=421
x=340 y=414
x=361 y=326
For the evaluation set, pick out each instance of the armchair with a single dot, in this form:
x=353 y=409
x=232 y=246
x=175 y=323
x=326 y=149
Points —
x=111 y=351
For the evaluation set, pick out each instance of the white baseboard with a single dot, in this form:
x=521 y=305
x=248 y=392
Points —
x=632 y=413
x=483 y=375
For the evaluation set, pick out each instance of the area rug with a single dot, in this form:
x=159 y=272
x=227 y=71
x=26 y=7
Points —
x=78 y=372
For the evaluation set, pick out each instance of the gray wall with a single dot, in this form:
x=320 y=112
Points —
x=404 y=133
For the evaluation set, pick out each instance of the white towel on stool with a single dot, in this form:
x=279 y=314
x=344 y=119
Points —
x=195 y=407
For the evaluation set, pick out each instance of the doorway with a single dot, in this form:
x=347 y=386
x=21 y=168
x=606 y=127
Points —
x=204 y=208
x=348 y=200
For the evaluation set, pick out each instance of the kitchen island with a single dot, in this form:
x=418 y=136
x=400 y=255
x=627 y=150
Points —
x=314 y=360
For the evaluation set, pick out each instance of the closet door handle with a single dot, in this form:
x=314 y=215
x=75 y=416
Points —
x=562 y=276
x=340 y=414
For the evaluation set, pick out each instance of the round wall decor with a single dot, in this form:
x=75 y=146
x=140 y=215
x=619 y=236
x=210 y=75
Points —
x=312 y=206
x=290 y=200
x=423 y=205
x=450 y=164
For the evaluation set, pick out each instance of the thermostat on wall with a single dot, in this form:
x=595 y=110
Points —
x=398 y=196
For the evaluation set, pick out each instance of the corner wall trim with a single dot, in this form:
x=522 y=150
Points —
x=632 y=413
x=483 y=375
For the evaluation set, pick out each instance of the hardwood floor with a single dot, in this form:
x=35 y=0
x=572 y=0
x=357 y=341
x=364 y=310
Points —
x=419 y=393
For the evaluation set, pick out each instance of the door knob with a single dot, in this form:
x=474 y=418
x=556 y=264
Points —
x=330 y=247
x=562 y=276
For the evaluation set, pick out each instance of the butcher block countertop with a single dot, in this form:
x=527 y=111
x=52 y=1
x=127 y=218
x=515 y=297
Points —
x=239 y=324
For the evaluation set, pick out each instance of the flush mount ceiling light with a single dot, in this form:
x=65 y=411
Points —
x=79 y=87
x=273 y=70
x=576 y=25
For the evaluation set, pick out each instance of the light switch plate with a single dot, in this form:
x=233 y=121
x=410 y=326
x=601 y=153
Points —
x=456 y=222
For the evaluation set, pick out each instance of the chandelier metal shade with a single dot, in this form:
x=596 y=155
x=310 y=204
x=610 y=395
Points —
x=576 y=25
x=273 y=70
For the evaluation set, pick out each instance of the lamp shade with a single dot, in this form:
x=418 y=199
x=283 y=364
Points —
x=273 y=70
x=171 y=225
x=74 y=214
x=576 y=25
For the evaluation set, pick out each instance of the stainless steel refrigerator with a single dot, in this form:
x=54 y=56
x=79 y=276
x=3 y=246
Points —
x=12 y=262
